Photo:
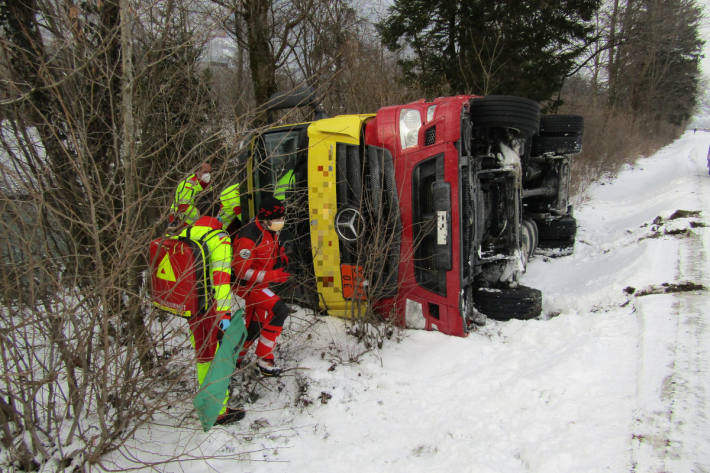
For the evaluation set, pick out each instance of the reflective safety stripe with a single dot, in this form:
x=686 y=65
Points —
x=217 y=265
x=249 y=274
x=265 y=341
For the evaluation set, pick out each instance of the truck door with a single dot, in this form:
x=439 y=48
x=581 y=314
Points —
x=281 y=168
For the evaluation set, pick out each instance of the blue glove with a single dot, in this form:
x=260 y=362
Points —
x=224 y=324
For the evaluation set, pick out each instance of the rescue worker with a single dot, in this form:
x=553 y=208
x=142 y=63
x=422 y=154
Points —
x=208 y=327
x=183 y=210
x=257 y=251
x=284 y=184
x=231 y=211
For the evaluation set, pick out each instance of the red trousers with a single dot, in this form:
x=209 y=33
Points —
x=204 y=330
x=264 y=317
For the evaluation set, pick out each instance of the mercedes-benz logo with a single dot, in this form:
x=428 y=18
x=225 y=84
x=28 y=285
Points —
x=348 y=223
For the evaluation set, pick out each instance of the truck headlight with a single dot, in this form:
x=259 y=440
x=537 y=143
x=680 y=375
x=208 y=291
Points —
x=410 y=121
x=430 y=112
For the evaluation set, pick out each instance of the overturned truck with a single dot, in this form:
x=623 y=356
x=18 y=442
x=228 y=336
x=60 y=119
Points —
x=426 y=212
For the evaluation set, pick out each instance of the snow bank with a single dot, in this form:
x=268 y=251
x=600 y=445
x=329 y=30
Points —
x=610 y=380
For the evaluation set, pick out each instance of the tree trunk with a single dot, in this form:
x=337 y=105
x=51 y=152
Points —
x=611 y=66
x=261 y=58
x=131 y=220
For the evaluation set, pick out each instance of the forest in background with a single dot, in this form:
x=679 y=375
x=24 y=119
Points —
x=106 y=104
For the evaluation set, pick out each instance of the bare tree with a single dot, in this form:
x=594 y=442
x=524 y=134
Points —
x=104 y=109
x=653 y=67
x=264 y=30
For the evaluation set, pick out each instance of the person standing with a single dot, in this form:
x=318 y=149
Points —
x=284 y=185
x=257 y=253
x=231 y=211
x=208 y=327
x=183 y=210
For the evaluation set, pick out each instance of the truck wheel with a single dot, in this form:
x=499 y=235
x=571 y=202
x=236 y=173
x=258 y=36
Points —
x=506 y=111
x=561 y=125
x=558 y=234
x=563 y=228
x=507 y=303
x=556 y=145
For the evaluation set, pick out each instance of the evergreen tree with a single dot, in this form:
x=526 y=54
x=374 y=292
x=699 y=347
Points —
x=522 y=48
x=657 y=68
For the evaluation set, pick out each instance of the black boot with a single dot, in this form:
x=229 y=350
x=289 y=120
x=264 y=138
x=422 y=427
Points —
x=268 y=368
x=230 y=416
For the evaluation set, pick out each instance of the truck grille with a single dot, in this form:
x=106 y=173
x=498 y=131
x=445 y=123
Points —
x=430 y=136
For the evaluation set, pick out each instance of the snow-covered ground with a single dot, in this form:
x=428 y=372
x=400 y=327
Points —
x=615 y=378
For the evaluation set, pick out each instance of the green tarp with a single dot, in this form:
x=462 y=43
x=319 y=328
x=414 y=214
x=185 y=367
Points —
x=208 y=401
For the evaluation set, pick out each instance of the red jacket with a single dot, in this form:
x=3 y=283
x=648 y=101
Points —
x=256 y=251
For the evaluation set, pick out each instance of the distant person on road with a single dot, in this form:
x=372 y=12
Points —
x=183 y=211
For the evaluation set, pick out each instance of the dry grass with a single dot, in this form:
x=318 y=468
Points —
x=612 y=138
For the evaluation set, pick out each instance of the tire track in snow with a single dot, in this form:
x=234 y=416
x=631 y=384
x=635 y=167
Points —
x=671 y=431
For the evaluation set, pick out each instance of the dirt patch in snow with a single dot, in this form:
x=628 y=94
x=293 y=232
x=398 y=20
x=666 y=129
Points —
x=680 y=224
x=684 y=214
x=665 y=288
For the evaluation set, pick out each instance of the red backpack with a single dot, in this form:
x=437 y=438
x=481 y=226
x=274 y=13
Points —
x=179 y=274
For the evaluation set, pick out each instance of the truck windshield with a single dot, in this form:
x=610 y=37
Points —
x=278 y=167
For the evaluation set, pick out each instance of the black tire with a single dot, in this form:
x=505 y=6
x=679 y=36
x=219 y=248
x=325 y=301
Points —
x=561 y=125
x=506 y=111
x=508 y=303
x=556 y=145
x=558 y=234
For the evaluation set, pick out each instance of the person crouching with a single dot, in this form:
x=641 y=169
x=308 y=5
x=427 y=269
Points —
x=256 y=253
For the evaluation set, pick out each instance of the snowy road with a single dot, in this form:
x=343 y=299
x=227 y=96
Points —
x=670 y=431
x=615 y=378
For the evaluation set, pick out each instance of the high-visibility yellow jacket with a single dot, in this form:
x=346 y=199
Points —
x=183 y=207
x=285 y=183
x=219 y=246
x=231 y=205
